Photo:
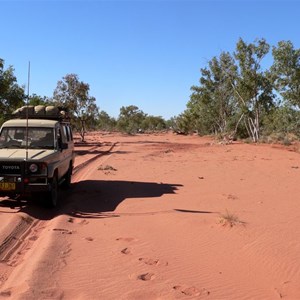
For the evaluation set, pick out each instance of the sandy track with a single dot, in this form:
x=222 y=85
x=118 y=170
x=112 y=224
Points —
x=146 y=219
x=23 y=224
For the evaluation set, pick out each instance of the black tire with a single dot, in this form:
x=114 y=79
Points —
x=68 y=178
x=52 y=195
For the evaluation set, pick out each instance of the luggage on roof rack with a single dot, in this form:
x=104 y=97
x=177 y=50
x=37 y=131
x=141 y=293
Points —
x=41 y=112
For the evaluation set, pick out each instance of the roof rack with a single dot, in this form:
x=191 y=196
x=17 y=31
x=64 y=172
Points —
x=49 y=112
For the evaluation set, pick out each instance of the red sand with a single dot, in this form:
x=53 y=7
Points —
x=164 y=217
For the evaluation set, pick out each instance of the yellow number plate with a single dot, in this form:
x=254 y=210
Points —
x=7 y=186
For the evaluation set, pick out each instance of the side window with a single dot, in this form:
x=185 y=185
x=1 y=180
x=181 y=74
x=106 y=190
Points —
x=65 y=133
x=59 y=140
x=70 y=133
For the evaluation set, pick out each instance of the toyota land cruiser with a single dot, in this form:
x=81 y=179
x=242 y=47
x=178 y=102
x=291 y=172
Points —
x=36 y=153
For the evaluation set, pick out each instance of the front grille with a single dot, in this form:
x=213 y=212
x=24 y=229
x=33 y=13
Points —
x=37 y=180
x=10 y=168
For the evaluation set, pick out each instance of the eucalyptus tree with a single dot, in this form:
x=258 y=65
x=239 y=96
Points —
x=74 y=95
x=212 y=107
x=130 y=119
x=35 y=99
x=11 y=94
x=286 y=72
x=105 y=122
x=283 y=122
x=184 y=123
x=253 y=87
x=153 y=123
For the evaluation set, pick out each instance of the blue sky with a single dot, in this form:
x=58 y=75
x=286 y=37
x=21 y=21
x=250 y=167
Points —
x=143 y=53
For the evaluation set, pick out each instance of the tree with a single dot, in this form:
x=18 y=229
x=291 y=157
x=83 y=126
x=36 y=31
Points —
x=253 y=87
x=286 y=72
x=183 y=123
x=130 y=119
x=74 y=95
x=283 y=121
x=38 y=100
x=153 y=123
x=105 y=122
x=11 y=94
x=211 y=106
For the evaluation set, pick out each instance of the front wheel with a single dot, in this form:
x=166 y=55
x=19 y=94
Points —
x=52 y=195
x=68 y=178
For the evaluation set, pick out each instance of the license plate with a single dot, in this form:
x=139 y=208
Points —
x=7 y=186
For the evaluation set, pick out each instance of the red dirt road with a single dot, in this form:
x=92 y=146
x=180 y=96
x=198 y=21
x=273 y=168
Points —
x=160 y=217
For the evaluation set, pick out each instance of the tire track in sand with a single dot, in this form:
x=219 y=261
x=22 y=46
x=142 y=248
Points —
x=26 y=231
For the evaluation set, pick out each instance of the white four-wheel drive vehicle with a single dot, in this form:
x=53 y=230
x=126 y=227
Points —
x=36 y=153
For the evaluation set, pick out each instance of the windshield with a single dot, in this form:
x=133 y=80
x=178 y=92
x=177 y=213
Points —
x=38 y=138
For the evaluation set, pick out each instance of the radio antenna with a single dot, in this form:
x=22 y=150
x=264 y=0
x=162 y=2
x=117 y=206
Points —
x=27 y=109
x=28 y=81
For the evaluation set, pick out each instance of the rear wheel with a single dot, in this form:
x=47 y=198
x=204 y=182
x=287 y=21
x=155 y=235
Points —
x=52 y=195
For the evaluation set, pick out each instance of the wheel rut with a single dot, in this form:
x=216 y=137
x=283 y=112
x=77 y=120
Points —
x=24 y=233
x=92 y=157
x=26 y=230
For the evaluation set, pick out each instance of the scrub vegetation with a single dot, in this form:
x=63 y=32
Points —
x=237 y=97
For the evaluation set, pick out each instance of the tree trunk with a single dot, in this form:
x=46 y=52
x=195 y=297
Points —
x=82 y=130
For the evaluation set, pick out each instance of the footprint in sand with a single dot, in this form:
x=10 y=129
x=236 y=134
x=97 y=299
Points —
x=78 y=221
x=125 y=251
x=63 y=231
x=153 y=262
x=146 y=276
x=5 y=294
x=127 y=239
x=149 y=261
x=191 y=291
x=232 y=197
x=66 y=252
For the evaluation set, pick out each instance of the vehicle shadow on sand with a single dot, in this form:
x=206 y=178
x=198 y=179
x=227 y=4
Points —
x=92 y=198
x=99 y=198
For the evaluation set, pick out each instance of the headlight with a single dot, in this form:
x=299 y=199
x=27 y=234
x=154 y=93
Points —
x=33 y=168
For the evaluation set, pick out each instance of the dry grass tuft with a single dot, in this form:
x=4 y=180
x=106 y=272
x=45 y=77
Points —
x=230 y=219
x=106 y=168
